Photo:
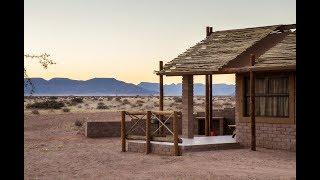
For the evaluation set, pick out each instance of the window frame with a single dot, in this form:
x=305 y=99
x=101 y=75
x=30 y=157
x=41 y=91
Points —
x=246 y=94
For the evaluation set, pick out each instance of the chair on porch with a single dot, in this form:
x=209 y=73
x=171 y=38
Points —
x=233 y=126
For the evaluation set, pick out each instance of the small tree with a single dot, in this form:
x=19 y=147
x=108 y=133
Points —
x=43 y=60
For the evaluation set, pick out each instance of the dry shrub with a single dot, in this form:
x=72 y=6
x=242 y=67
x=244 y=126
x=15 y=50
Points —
x=156 y=104
x=50 y=104
x=139 y=101
x=76 y=100
x=53 y=98
x=35 y=112
x=78 y=123
x=125 y=101
x=177 y=99
x=101 y=105
x=66 y=110
x=118 y=98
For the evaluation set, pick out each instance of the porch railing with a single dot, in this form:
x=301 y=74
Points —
x=146 y=116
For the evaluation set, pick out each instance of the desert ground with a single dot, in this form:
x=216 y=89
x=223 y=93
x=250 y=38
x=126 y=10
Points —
x=55 y=148
x=109 y=103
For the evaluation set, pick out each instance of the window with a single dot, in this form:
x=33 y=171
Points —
x=272 y=96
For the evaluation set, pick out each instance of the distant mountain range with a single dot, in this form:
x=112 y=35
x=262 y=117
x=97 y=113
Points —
x=114 y=87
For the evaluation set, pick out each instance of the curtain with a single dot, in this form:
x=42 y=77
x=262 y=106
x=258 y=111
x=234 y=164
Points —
x=272 y=96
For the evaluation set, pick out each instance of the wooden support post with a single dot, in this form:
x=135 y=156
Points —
x=148 y=127
x=210 y=103
x=207 y=113
x=161 y=130
x=123 y=131
x=252 y=105
x=175 y=134
x=187 y=107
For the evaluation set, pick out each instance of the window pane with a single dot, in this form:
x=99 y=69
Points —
x=278 y=85
x=260 y=86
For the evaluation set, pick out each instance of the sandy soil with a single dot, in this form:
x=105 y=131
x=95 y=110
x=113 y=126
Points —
x=55 y=150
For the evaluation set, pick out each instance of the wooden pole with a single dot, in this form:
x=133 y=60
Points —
x=148 y=123
x=210 y=103
x=252 y=105
x=161 y=130
x=206 y=123
x=175 y=133
x=123 y=131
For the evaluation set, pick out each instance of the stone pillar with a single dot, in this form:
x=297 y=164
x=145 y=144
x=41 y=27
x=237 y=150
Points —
x=187 y=107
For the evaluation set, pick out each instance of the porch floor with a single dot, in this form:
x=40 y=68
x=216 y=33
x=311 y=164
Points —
x=198 y=143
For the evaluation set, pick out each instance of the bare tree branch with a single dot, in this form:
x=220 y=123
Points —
x=43 y=60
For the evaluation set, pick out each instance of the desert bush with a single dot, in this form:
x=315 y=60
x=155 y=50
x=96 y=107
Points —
x=50 y=104
x=109 y=98
x=53 y=98
x=76 y=100
x=35 y=112
x=139 y=101
x=78 y=123
x=177 y=99
x=125 y=101
x=118 y=98
x=66 y=110
x=101 y=105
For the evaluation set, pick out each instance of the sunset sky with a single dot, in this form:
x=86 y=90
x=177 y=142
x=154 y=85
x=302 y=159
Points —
x=127 y=39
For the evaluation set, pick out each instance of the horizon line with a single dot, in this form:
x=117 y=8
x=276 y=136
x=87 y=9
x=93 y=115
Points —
x=115 y=79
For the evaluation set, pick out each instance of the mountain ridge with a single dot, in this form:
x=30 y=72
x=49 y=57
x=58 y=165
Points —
x=112 y=86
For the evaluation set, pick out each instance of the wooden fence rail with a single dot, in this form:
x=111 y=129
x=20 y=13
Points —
x=148 y=135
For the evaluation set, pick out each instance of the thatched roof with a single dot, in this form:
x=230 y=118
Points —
x=217 y=50
x=283 y=54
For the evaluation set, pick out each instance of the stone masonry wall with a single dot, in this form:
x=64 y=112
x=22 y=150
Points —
x=273 y=136
x=155 y=148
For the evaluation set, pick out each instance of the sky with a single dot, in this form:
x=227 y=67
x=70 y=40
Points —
x=126 y=39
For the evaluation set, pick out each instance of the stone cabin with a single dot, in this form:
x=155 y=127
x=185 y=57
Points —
x=268 y=52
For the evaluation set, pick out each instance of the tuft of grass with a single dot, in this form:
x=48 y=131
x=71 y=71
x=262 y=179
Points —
x=101 y=105
x=177 y=99
x=156 y=104
x=140 y=101
x=76 y=100
x=78 y=123
x=35 y=111
x=125 y=101
x=53 y=98
x=66 y=110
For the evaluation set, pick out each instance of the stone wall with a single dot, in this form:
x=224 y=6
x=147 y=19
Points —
x=102 y=129
x=155 y=148
x=273 y=136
